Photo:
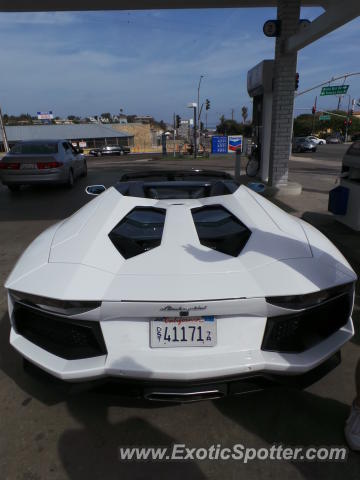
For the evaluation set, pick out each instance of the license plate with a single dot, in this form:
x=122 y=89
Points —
x=183 y=332
x=27 y=166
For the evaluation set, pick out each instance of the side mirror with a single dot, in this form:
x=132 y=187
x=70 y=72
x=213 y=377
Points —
x=95 y=189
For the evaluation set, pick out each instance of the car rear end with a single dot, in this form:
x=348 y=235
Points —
x=186 y=350
x=29 y=164
x=308 y=146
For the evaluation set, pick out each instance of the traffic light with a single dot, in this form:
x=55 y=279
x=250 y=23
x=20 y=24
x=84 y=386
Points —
x=313 y=110
x=350 y=122
x=207 y=104
x=178 y=121
x=297 y=76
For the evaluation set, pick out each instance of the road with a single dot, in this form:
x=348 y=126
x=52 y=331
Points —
x=326 y=152
x=48 y=433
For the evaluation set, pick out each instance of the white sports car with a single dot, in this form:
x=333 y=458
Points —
x=182 y=285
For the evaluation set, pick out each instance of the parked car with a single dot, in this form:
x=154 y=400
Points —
x=182 y=286
x=42 y=162
x=110 y=150
x=316 y=140
x=333 y=140
x=351 y=158
x=302 y=144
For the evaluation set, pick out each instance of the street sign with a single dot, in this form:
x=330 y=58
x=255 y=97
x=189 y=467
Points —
x=334 y=90
x=324 y=117
x=219 y=144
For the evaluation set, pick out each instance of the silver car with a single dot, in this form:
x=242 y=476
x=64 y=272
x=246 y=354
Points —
x=42 y=162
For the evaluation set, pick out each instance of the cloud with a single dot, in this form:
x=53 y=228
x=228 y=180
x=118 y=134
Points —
x=147 y=62
x=39 y=18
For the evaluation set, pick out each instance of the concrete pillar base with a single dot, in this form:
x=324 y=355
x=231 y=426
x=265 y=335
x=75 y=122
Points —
x=291 y=188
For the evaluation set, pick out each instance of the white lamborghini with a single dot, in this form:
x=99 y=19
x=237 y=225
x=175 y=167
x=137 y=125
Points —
x=182 y=285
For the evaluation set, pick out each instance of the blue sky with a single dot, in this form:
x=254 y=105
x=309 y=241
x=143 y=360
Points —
x=149 y=62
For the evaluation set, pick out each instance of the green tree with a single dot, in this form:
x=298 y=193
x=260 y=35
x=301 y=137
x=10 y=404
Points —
x=229 y=127
x=306 y=124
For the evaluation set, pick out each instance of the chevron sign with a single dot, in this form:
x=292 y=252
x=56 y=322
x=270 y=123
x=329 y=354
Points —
x=234 y=143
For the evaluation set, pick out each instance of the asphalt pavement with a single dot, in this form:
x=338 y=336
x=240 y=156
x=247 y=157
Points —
x=49 y=433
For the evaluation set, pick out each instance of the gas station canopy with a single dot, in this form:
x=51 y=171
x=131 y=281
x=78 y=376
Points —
x=73 y=5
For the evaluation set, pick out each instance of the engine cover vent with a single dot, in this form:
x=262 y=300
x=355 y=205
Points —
x=139 y=231
x=220 y=230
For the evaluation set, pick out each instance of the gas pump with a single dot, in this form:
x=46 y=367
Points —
x=344 y=200
x=260 y=86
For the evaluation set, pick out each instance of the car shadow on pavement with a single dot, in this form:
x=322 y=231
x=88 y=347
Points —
x=42 y=202
x=296 y=418
x=36 y=383
x=92 y=451
x=11 y=363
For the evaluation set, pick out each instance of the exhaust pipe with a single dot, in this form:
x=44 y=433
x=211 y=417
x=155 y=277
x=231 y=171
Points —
x=182 y=396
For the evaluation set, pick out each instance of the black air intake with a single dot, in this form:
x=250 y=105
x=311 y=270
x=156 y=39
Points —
x=63 y=337
x=297 y=332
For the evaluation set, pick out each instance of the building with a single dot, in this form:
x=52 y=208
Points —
x=145 y=137
x=145 y=119
x=83 y=135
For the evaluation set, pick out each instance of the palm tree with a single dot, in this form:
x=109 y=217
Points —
x=244 y=113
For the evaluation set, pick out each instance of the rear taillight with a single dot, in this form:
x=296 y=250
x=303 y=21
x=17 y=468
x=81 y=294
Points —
x=46 y=165
x=9 y=166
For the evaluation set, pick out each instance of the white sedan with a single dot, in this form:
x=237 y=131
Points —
x=316 y=140
x=182 y=286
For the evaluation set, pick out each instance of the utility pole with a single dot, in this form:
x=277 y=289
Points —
x=174 y=135
x=194 y=106
x=340 y=96
x=198 y=106
x=232 y=114
x=347 y=120
x=339 y=103
x=3 y=132
x=314 y=113
x=195 y=133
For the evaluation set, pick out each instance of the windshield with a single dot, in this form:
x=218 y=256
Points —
x=34 y=149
